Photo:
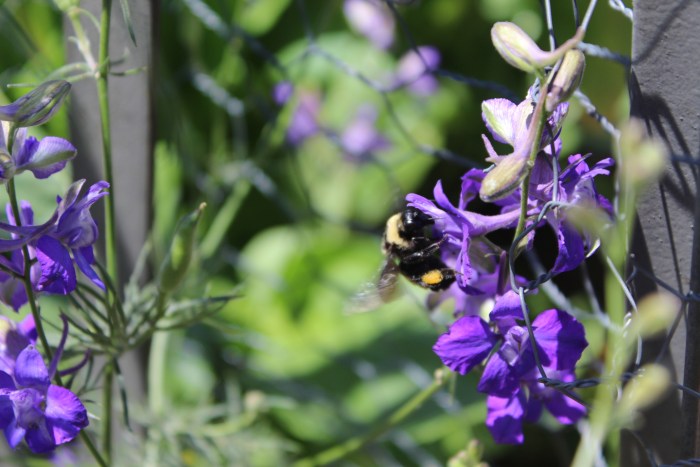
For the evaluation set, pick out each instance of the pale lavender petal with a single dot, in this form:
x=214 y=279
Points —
x=497 y=114
x=466 y=344
x=14 y=434
x=65 y=414
x=504 y=418
x=50 y=156
x=371 y=19
x=414 y=70
x=303 y=123
x=361 y=137
x=282 y=92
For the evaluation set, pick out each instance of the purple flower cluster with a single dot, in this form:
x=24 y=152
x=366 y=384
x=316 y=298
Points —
x=31 y=407
x=511 y=376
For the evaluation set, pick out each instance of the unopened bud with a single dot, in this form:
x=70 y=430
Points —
x=565 y=78
x=37 y=106
x=503 y=179
x=175 y=265
x=518 y=49
x=643 y=158
x=642 y=391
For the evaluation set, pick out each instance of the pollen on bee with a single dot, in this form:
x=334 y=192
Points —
x=432 y=277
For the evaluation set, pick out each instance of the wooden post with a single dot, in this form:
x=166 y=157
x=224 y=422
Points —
x=665 y=94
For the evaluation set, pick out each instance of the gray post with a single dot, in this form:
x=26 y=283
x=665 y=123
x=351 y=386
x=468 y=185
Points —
x=665 y=95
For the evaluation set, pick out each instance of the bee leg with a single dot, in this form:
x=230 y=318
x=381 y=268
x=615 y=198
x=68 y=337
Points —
x=424 y=252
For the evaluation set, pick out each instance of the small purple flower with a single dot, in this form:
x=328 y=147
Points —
x=415 y=70
x=372 y=19
x=282 y=92
x=303 y=123
x=42 y=158
x=33 y=409
x=15 y=337
x=73 y=234
x=560 y=341
x=361 y=139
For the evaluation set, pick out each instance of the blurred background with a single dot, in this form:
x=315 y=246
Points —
x=302 y=133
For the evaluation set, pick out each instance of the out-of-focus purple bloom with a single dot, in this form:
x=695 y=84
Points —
x=560 y=341
x=73 y=234
x=12 y=291
x=282 y=92
x=42 y=158
x=360 y=138
x=14 y=338
x=37 y=106
x=415 y=70
x=304 y=123
x=372 y=19
x=33 y=409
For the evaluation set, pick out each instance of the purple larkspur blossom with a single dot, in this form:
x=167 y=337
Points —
x=415 y=69
x=73 y=235
x=510 y=376
x=14 y=338
x=360 y=139
x=41 y=157
x=372 y=19
x=33 y=409
x=304 y=120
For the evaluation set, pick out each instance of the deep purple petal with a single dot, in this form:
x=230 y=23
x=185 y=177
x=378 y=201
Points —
x=6 y=382
x=566 y=410
x=571 y=251
x=506 y=310
x=7 y=414
x=39 y=438
x=27 y=328
x=533 y=410
x=468 y=341
x=84 y=258
x=57 y=271
x=499 y=378
x=31 y=371
x=65 y=414
x=560 y=337
x=504 y=418
x=282 y=92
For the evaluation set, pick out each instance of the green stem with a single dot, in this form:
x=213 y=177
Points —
x=108 y=382
x=103 y=98
x=342 y=450
x=156 y=391
x=539 y=117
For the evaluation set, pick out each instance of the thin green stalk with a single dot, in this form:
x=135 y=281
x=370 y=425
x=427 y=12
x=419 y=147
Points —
x=107 y=385
x=342 y=450
x=156 y=391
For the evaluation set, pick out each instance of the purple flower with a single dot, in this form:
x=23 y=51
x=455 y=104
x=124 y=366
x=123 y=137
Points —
x=303 y=123
x=415 y=70
x=282 y=92
x=33 y=409
x=510 y=376
x=42 y=158
x=15 y=337
x=361 y=139
x=372 y=19
x=73 y=234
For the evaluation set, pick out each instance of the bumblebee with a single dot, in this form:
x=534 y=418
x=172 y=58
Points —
x=411 y=252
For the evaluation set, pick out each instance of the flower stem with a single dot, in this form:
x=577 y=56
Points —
x=539 y=117
x=442 y=376
x=110 y=236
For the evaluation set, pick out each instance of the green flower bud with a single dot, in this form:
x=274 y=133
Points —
x=504 y=179
x=518 y=49
x=642 y=391
x=37 y=106
x=643 y=159
x=565 y=78
x=174 y=267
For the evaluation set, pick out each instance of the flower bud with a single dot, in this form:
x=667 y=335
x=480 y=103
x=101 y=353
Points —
x=503 y=179
x=645 y=389
x=37 y=106
x=174 y=267
x=643 y=159
x=565 y=78
x=518 y=49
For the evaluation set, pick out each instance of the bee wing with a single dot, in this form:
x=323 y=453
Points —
x=375 y=294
